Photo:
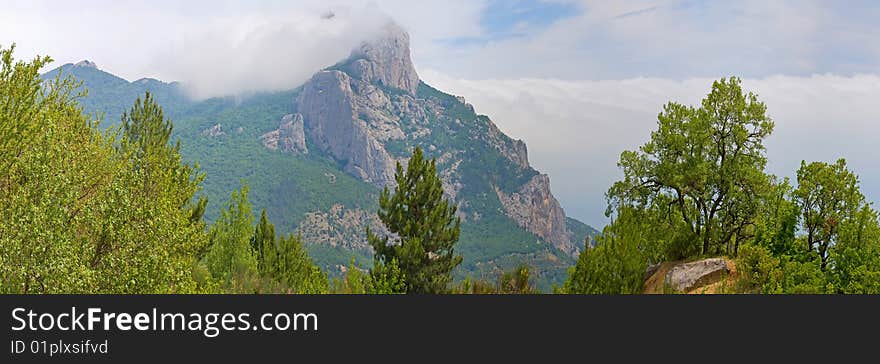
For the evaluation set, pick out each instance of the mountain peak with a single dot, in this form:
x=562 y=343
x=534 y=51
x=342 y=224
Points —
x=386 y=60
x=86 y=63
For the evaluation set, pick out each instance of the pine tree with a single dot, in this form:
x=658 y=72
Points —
x=146 y=135
x=425 y=224
x=263 y=243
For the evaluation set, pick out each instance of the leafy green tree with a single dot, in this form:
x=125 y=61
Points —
x=75 y=218
x=245 y=258
x=777 y=221
x=617 y=264
x=856 y=254
x=231 y=259
x=706 y=163
x=288 y=263
x=425 y=224
x=763 y=272
x=23 y=101
x=827 y=194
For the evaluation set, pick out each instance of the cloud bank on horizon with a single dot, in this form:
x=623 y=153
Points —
x=578 y=80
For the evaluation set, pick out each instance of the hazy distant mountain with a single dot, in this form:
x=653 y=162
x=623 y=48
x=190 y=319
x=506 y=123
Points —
x=315 y=157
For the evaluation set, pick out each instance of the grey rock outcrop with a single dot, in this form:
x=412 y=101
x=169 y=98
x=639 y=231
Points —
x=86 y=64
x=214 y=131
x=534 y=208
x=385 y=60
x=329 y=111
x=289 y=137
x=514 y=150
x=686 y=276
x=520 y=154
x=340 y=226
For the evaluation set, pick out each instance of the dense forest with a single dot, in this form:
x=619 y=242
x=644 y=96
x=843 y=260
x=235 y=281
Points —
x=117 y=210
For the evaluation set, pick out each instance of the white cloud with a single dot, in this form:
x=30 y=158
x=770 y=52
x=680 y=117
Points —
x=221 y=47
x=575 y=130
x=680 y=39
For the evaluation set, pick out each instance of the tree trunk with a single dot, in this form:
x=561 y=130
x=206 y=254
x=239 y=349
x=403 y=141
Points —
x=706 y=241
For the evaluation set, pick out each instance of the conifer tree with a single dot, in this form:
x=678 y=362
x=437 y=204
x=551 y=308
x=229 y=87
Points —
x=425 y=224
x=146 y=134
x=263 y=243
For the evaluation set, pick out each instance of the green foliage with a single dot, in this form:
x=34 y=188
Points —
x=146 y=135
x=706 y=164
x=475 y=286
x=77 y=218
x=354 y=281
x=23 y=103
x=856 y=256
x=231 y=259
x=762 y=272
x=840 y=249
x=777 y=221
x=701 y=179
x=248 y=259
x=516 y=281
x=263 y=243
x=288 y=263
x=382 y=279
x=828 y=196
x=424 y=222
x=617 y=264
x=386 y=277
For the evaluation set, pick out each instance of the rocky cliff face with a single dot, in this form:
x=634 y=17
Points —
x=514 y=150
x=385 y=61
x=367 y=113
x=332 y=123
x=534 y=208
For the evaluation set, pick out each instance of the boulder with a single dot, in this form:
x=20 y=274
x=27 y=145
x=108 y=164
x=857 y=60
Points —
x=684 y=277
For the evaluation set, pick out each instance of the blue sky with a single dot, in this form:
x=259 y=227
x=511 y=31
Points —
x=677 y=39
x=506 y=19
x=578 y=80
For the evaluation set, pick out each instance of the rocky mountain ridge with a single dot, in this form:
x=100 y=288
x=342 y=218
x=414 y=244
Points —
x=353 y=110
